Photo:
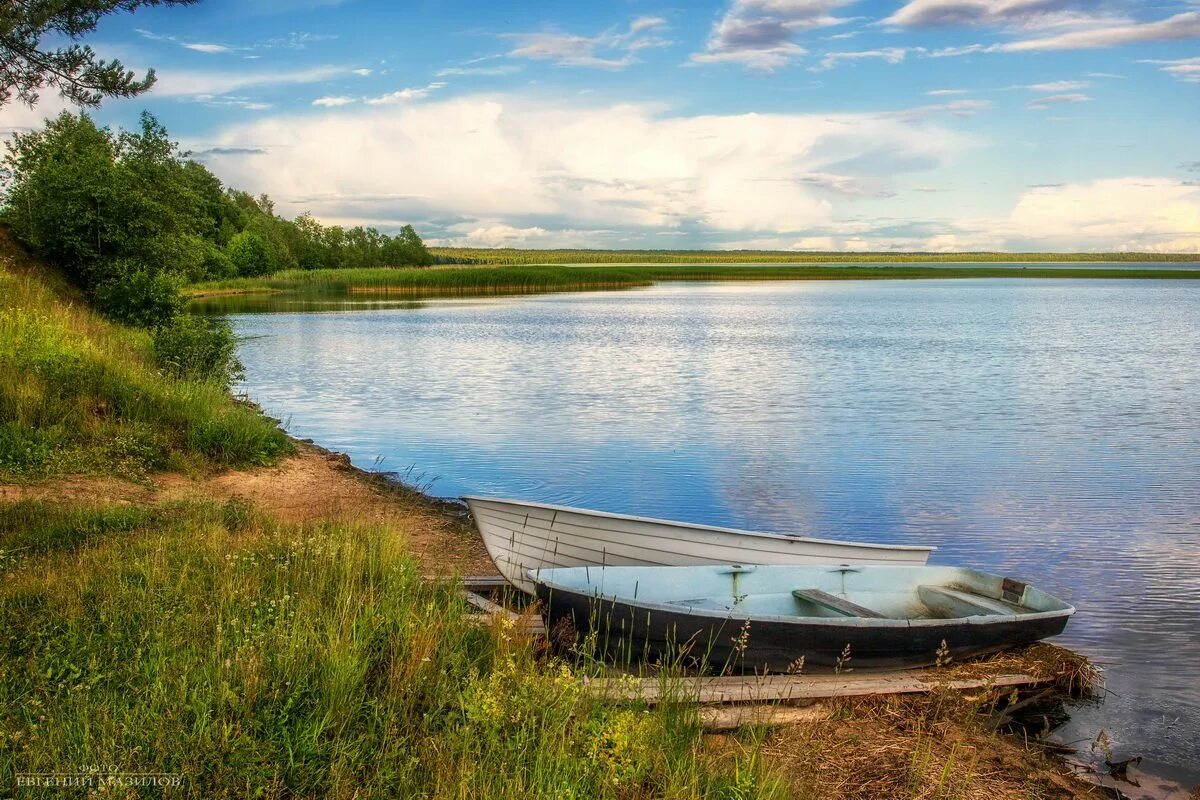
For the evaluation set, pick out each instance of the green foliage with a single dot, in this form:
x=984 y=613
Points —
x=198 y=348
x=129 y=207
x=75 y=70
x=264 y=660
x=249 y=255
x=135 y=295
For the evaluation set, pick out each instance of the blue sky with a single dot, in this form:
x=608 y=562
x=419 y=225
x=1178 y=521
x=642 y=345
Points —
x=796 y=124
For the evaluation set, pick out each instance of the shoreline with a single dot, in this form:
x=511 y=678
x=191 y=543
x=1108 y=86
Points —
x=317 y=485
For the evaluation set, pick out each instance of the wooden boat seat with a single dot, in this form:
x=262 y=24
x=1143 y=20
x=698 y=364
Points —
x=833 y=603
x=964 y=604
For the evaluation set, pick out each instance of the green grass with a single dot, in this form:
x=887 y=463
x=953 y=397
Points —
x=520 y=279
x=79 y=394
x=259 y=660
x=511 y=256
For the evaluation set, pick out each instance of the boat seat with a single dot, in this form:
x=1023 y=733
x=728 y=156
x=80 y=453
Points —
x=703 y=603
x=833 y=603
x=964 y=604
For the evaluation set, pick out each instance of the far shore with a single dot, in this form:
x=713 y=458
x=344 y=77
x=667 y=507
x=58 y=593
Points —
x=466 y=280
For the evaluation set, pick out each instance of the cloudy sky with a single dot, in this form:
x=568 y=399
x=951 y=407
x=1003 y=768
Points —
x=792 y=124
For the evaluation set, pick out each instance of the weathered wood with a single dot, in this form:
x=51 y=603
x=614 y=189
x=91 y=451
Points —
x=772 y=688
x=474 y=582
x=835 y=603
x=728 y=718
x=484 y=582
x=484 y=604
x=530 y=623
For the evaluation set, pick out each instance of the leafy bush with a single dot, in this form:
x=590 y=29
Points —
x=199 y=348
x=138 y=295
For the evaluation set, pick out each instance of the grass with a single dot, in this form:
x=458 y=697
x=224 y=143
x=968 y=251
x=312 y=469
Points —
x=521 y=279
x=513 y=256
x=81 y=395
x=266 y=660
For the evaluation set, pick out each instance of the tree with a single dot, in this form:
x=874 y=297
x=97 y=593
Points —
x=249 y=254
x=27 y=66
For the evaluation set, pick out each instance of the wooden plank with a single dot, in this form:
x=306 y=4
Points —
x=835 y=603
x=484 y=604
x=478 y=582
x=728 y=718
x=774 y=688
x=530 y=623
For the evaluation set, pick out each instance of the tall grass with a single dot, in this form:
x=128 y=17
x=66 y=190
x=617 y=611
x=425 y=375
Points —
x=258 y=660
x=79 y=394
x=521 y=279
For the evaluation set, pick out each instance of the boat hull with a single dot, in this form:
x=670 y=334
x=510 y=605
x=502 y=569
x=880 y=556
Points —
x=521 y=536
x=628 y=630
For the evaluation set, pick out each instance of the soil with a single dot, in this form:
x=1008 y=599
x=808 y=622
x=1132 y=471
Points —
x=313 y=485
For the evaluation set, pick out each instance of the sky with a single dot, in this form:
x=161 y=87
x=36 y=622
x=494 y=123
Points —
x=939 y=125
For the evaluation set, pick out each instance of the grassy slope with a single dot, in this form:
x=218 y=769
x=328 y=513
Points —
x=79 y=394
x=516 y=279
x=511 y=256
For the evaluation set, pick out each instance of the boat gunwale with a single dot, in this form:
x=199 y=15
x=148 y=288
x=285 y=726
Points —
x=533 y=575
x=699 y=526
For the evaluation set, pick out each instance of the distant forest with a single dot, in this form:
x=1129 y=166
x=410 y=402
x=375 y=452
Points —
x=525 y=256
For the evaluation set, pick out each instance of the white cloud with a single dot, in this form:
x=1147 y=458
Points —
x=761 y=34
x=207 y=47
x=362 y=71
x=1122 y=214
x=956 y=108
x=1184 y=69
x=1019 y=13
x=502 y=69
x=528 y=165
x=1057 y=86
x=945 y=92
x=1043 y=103
x=571 y=50
x=405 y=95
x=333 y=102
x=1180 y=26
x=182 y=83
x=892 y=55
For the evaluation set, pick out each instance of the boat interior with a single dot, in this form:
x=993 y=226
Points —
x=851 y=593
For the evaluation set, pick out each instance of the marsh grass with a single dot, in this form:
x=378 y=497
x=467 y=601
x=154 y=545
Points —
x=524 y=279
x=264 y=660
x=81 y=395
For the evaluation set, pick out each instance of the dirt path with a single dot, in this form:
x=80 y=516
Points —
x=310 y=486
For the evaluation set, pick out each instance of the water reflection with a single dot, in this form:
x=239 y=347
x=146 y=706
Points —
x=1043 y=428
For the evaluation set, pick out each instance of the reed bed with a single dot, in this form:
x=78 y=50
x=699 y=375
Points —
x=456 y=281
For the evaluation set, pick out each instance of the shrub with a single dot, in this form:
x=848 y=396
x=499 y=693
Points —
x=136 y=295
x=199 y=348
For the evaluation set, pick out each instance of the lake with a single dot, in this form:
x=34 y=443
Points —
x=1047 y=429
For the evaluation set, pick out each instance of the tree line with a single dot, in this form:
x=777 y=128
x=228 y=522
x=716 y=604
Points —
x=131 y=218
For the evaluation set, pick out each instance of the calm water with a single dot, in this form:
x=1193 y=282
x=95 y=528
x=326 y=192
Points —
x=1045 y=429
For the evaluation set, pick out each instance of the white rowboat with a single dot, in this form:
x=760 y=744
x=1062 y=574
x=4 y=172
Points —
x=522 y=536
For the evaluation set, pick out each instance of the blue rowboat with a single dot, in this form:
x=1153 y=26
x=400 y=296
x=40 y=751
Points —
x=769 y=617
